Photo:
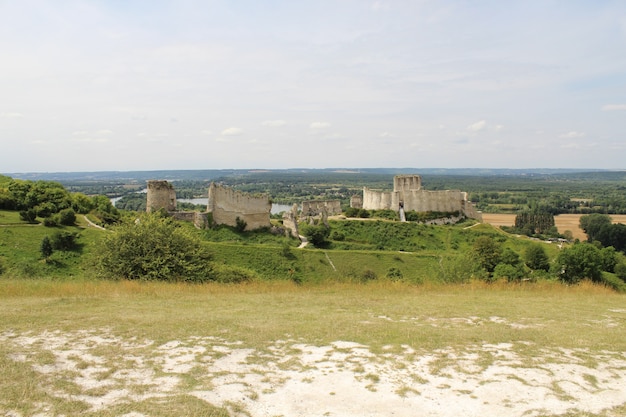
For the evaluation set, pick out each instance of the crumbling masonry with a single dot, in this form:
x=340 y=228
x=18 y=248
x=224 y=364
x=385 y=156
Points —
x=408 y=194
x=224 y=206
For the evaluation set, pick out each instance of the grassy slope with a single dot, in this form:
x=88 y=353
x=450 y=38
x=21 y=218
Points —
x=415 y=250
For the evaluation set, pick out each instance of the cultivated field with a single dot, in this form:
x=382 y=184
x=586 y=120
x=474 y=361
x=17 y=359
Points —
x=563 y=222
x=276 y=349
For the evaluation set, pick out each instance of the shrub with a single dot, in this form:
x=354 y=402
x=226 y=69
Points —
x=232 y=274
x=63 y=240
x=46 y=248
x=508 y=271
x=536 y=258
x=582 y=260
x=50 y=222
x=28 y=215
x=394 y=273
x=67 y=217
x=620 y=271
x=316 y=234
x=368 y=275
x=153 y=248
x=240 y=224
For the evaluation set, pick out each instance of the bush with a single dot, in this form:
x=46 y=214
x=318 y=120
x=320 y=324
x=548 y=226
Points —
x=50 y=222
x=536 y=257
x=63 y=240
x=582 y=260
x=240 y=224
x=316 y=234
x=46 y=248
x=153 y=248
x=368 y=275
x=510 y=272
x=232 y=274
x=67 y=217
x=394 y=273
x=620 y=271
x=28 y=215
x=351 y=212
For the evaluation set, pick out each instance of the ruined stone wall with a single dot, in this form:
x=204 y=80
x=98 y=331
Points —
x=290 y=221
x=445 y=201
x=356 y=201
x=407 y=182
x=317 y=207
x=378 y=200
x=161 y=195
x=407 y=190
x=200 y=220
x=226 y=204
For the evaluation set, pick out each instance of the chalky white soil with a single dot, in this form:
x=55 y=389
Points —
x=290 y=378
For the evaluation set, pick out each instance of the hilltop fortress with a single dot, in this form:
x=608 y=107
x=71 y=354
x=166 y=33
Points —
x=224 y=206
x=228 y=206
x=408 y=195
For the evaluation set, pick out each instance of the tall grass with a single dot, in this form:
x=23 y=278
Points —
x=376 y=313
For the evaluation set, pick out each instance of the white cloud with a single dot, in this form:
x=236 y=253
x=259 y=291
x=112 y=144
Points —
x=613 y=107
x=232 y=131
x=11 y=115
x=572 y=135
x=478 y=126
x=319 y=125
x=274 y=123
x=206 y=132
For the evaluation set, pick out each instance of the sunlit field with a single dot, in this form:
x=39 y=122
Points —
x=275 y=348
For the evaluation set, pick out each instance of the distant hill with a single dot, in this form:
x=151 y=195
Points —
x=210 y=174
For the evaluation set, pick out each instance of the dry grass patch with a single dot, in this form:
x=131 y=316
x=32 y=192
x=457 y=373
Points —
x=103 y=348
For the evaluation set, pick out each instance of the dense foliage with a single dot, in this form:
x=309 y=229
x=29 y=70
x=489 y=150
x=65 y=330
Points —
x=50 y=200
x=153 y=248
x=599 y=228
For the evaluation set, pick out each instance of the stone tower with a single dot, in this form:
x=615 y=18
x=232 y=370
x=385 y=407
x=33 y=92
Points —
x=407 y=183
x=161 y=195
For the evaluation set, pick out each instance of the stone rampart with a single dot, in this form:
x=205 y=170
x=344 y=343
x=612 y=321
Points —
x=317 y=207
x=226 y=205
x=290 y=221
x=407 y=182
x=161 y=195
x=356 y=201
x=408 y=193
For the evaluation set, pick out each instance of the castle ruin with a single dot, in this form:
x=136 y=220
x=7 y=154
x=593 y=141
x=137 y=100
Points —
x=317 y=207
x=161 y=195
x=408 y=195
x=225 y=206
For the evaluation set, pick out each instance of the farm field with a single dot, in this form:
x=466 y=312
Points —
x=276 y=349
x=563 y=222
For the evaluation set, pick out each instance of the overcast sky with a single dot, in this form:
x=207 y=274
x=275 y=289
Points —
x=149 y=85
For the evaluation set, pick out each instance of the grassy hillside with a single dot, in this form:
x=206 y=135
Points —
x=362 y=250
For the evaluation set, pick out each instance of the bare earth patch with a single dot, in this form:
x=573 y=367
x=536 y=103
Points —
x=293 y=378
x=563 y=222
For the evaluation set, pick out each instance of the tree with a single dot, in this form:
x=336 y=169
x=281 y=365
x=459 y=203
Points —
x=487 y=252
x=153 y=248
x=535 y=221
x=593 y=223
x=536 y=258
x=580 y=261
